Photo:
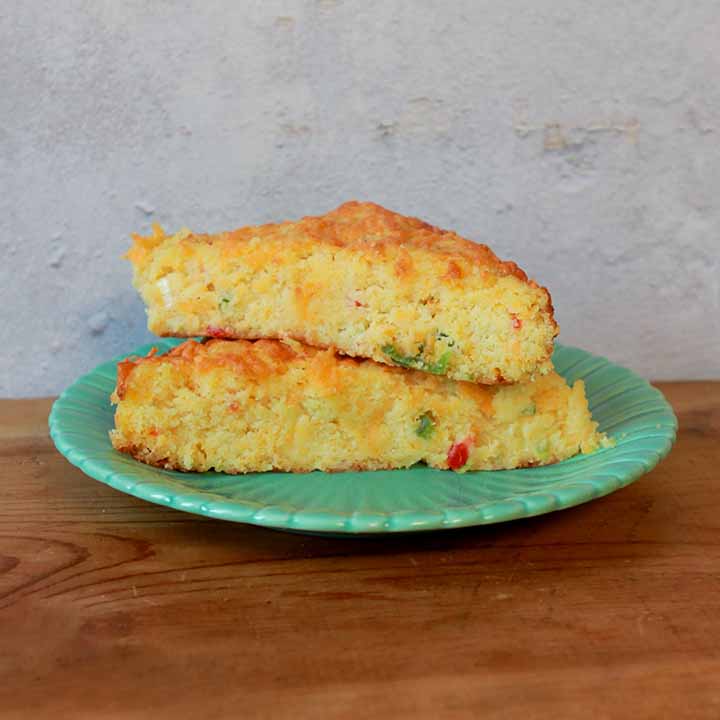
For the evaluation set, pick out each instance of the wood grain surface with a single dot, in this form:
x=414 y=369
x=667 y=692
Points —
x=111 y=607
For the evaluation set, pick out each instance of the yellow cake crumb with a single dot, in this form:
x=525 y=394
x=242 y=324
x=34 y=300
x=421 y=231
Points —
x=241 y=406
x=362 y=279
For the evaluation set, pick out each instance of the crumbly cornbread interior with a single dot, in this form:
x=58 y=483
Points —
x=241 y=406
x=362 y=279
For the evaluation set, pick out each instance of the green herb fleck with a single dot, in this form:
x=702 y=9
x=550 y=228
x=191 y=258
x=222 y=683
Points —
x=417 y=361
x=406 y=361
x=530 y=409
x=439 y=367
x=223 y=304
x=426 y=425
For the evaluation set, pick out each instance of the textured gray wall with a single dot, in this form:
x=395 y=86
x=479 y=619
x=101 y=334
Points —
x=579 y=138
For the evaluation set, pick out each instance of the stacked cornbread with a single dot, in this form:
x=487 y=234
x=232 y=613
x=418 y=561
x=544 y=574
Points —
x=360 y=339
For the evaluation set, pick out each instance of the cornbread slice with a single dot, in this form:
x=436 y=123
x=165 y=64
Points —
x=241 y=406
x=362 y=279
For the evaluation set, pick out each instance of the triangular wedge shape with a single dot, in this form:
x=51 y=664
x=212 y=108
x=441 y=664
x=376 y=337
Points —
x=362 y=279
x=239 y=406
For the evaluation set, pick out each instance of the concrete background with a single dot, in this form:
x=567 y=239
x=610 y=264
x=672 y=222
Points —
x=579 y=138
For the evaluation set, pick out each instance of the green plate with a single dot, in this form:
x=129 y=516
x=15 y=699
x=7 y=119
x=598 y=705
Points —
x=632 y=412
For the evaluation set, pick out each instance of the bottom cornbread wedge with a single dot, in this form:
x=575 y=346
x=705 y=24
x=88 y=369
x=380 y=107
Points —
x=238 y=406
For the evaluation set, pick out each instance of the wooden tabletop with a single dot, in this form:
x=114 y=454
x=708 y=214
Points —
x=113 y=607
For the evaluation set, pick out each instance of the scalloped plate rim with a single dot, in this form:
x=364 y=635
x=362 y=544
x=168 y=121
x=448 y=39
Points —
x=354 y=522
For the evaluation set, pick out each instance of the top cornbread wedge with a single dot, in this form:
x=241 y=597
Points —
x=362 y=279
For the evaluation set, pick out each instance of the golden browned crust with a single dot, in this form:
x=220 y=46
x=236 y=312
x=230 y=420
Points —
x=252 y=358
x=368 y=226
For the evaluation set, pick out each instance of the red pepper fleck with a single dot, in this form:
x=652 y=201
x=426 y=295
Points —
x=216 y=332
x=359 y=304
x=457 y=455
x=233 y=407
x=153 y=432
x=516 y=321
